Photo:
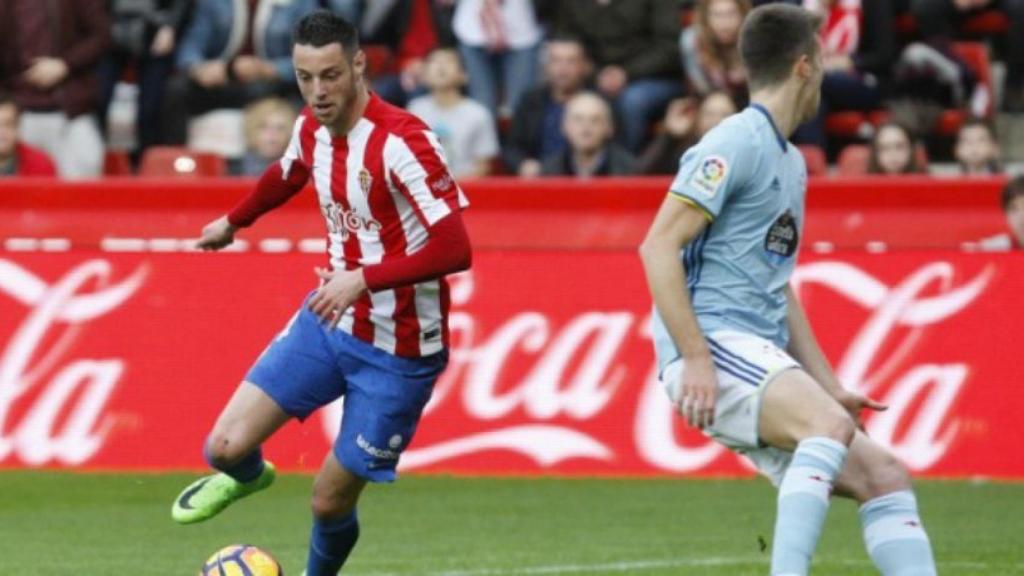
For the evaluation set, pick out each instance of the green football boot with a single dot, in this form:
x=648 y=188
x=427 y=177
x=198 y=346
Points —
x=208 y=496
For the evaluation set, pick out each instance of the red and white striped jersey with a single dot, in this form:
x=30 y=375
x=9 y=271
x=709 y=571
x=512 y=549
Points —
x=381 y=187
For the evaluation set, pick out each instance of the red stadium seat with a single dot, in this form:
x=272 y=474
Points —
x=181 y=162
x=990 y=23
x=815 y=159
x=117 y=163
x=853 y=160
x=850 y=124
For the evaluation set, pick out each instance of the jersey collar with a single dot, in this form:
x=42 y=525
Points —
x=778 y=136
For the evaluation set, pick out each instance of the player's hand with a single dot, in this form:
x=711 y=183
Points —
x=217 y=235
x=340 y=289
x=855 y=403
x=698 y=390
x=612 y=80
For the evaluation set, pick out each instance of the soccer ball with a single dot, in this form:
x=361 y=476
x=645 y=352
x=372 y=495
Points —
x=241 y=560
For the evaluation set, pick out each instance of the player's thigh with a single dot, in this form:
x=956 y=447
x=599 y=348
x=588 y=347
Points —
x=870 y=471
x=299 y=369
x=795 y=407
x=248 y=419
x=336 y=490
x=384 y=399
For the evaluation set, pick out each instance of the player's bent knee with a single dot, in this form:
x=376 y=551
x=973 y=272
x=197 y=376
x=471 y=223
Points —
x=888 y=476
x=222 y=450
x=328 y=504
x=837 y=425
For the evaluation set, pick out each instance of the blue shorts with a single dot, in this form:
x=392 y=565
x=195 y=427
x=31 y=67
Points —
x=309 y=365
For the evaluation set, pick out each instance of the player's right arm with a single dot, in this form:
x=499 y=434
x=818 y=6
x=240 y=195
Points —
x=280 y=181
x=678 y=222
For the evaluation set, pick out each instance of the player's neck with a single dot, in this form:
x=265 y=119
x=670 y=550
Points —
x=779 y=104
x=355 y=112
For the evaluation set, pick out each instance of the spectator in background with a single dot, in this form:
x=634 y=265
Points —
x=894 y=151
x=410 y=29
x=48 y=57
x=591 y=151
x=232 y=53
x=937 y=21
x=859 y=41
x=17 y=158
x=499 y=41
x=268 y=129
x=977 y=149
x=1013 y=207
x=464 y=127
x=710 y=49
x=685 y=123
x=634 y=45
x=144 y=34
x=536 y=128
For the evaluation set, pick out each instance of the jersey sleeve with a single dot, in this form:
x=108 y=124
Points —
x=416 y=166
x=717 y=167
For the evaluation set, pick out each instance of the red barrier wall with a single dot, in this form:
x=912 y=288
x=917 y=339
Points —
x=121 y=358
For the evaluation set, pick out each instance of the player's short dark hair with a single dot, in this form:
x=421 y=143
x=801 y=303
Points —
x=773 y=38
x=1014 y=189
x=322 y=27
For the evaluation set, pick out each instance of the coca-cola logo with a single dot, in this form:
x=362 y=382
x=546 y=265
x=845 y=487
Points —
x=66 y=421
x=577 y=372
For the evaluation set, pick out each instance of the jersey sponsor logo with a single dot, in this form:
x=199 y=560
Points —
x=345 y=222
x=710 y=174
x=441 y=182
x=783 y=237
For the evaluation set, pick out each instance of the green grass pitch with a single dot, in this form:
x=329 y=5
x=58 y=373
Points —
x=119 y=524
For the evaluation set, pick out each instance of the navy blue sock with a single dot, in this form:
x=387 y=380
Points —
x=245 y=470
x=331 y=543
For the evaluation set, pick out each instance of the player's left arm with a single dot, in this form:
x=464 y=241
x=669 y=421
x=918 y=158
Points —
x=803 y=346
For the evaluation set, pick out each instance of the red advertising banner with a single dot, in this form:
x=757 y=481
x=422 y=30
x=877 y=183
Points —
x=123 y=360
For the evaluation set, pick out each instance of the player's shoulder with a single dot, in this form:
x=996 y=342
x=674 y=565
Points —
x=396 y=121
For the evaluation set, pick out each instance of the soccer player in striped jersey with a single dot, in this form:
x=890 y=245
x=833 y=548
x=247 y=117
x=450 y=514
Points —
x=736 y=353
x=375 y=330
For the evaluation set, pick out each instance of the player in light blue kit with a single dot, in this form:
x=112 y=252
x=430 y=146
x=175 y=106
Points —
x=735 y=350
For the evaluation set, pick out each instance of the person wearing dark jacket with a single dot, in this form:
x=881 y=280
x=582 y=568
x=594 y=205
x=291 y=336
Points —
x=48 y=57
x=859 y=41
x=232 y=53
x=633 y=44
x=144 y=33
x=536 y=128
x=588 y=129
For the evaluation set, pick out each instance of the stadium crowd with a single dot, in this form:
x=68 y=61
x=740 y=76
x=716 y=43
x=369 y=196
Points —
x=518 y=87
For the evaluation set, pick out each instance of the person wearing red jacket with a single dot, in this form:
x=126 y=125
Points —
x=18 y=158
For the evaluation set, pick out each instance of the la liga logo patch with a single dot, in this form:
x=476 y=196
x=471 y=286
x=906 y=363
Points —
x=710 y=174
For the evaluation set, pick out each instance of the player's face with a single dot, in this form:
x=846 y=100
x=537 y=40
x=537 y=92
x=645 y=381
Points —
x=1015 y=219
x=328 y=80
x=8 y=130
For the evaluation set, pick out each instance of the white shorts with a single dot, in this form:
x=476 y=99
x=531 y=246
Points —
x=744 y=364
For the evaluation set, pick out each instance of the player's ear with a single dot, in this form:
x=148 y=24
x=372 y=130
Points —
x=359 y=63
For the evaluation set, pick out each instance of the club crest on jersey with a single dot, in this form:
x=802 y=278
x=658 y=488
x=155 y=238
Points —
x=710 y=174
x=365 y=181
x=441 y=182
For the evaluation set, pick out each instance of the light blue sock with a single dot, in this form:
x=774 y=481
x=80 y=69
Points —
x=331 y=543
x=895 y=537
x=803 y=503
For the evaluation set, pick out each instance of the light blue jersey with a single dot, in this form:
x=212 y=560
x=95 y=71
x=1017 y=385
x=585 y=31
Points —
x=751 y=184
